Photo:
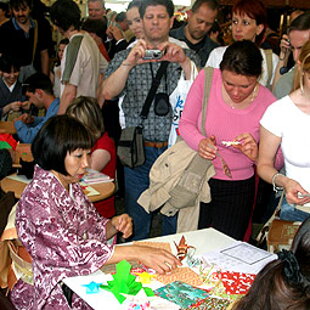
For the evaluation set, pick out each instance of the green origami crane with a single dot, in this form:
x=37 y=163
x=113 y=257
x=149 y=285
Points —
x=125 y=283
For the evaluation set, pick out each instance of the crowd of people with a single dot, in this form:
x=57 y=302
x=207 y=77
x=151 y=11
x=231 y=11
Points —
x=257 y=113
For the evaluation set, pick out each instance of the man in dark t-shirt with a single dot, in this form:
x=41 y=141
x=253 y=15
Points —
x=195 y=33
x=24 y=39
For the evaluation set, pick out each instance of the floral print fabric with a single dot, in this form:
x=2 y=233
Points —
x=65 y=237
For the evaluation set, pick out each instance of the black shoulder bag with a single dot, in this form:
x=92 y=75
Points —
x=130 y=148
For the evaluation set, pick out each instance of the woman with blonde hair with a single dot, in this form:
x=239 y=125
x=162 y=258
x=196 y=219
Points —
x=103 y=155
x=285 y=123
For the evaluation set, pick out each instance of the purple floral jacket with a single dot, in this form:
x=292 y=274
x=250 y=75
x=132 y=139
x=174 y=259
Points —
x=65 y=237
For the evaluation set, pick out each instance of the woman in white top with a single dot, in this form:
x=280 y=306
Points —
x=249 y=22
x=286 y=123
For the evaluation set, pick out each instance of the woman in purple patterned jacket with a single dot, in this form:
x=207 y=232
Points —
x=61 y=229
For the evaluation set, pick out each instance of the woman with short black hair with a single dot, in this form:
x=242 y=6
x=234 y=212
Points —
x=59 y=226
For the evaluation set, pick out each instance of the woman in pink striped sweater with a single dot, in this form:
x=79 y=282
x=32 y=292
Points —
x=235 y=106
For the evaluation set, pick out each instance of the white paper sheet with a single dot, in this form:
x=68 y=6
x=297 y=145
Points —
x=240 y=257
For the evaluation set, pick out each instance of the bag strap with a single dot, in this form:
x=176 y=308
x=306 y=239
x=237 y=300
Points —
x=268 y=54
x=207 y=89
x=35 y=39
x=155 y=84
x=72 y=51
x=264 y=231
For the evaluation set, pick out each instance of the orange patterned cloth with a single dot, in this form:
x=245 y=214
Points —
x=156 y=245
x=183 y=274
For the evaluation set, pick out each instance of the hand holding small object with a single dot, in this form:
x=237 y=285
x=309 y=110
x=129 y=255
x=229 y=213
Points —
x=248 y=145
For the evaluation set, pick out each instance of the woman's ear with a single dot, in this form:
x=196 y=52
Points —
x=259 y=29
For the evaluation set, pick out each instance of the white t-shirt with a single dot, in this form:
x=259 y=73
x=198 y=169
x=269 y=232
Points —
x=217 y=54
x=284 y=119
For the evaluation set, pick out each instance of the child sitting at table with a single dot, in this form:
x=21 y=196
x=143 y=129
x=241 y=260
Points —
x=11 y=97
x=283 y=283
x=103 y=156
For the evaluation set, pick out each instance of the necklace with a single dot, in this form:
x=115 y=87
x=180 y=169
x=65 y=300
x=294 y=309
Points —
x=242 y=105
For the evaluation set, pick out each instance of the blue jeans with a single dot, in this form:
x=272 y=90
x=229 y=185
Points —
x=136 y=182
x=290 y=213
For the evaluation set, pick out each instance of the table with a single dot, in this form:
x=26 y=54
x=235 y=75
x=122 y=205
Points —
x=7 y=127
x=205 y=240
x=23 y=151
x=105 y=189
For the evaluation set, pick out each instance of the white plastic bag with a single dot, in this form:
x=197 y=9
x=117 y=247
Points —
x=177 y=101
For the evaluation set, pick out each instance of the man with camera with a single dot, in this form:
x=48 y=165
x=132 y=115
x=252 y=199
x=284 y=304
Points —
x=131 y=73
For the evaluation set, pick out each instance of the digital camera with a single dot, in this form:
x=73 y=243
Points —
x=153 y=54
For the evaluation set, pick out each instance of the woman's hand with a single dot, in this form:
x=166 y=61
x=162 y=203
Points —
x=158 y=259
x=116 y=32
x=285 y=47
x=293 y=189
x=123 y=224
x=207 y=148
x=248 y=146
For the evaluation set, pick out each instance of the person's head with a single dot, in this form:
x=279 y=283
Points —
x=302 y=78
x=63 y=145
x=201 y=18
x=66 y=15
x=10 y=68
x=295 y=14
x=121 y=20
x=283 y=283
x=87 y=111
x=4 y=8
x=96 y=9
x=157 y=19
x=96 y=28
x=249 y=21
x=21 y=10
x=299 y=33
x=61 y=48
x=134 y=18
x=37 y=88
x=241 y=67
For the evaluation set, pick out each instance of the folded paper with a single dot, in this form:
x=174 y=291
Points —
x=125 y=283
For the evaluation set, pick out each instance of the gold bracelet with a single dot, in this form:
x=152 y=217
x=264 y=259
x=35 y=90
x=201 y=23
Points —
x=273 y=182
